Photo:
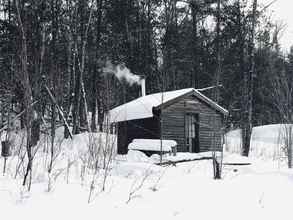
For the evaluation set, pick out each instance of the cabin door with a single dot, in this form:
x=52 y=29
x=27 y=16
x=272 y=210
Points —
x=192 y=132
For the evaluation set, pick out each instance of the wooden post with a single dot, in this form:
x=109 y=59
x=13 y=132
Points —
x=5 y=152
x=4 y=167
x=161 y=121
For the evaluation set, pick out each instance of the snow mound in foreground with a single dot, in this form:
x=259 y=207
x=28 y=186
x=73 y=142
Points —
x=137 y=156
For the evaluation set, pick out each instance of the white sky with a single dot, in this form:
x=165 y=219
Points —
x=283 y=10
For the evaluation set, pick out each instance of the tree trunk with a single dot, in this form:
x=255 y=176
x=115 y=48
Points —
x=94 y=101
x=27 y=97
x=76 y=102
x=94 y=72
x=249 y=82
x=217 y=169
x=194 y=77
x=71 y=84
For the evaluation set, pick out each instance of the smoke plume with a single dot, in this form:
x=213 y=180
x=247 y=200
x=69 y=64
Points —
x=122 y=72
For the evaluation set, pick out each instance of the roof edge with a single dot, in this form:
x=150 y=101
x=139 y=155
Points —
x=199 y=95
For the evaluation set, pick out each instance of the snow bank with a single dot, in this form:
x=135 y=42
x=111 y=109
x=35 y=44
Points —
x=233 y=142
x=266 y=142
x=137 y=156
x=66 y=151
x=152 y=145
x=82 y=143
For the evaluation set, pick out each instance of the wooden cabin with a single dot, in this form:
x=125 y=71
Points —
x=187 y=116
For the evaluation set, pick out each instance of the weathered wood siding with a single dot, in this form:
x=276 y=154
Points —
x=148 y=128
x=210 y=123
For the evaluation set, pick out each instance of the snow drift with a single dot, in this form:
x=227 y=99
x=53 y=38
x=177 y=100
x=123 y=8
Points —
x=267 y=142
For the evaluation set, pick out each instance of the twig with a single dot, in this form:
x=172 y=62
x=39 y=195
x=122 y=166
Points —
x=134 y=189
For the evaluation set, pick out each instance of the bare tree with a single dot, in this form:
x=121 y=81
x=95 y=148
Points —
x=249 y=83
x=216 y=165
x=28 y=98
x=53 y=172
x=283 y=101
x=282 y=90
x=101 y=154
x=80 y=94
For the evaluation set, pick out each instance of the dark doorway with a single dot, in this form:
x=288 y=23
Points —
x=192 y=132
x=122 y=138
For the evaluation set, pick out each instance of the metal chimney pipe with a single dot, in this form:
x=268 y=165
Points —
x=142 y=83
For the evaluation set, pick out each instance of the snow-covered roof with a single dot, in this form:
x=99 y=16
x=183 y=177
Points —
x=142 y=107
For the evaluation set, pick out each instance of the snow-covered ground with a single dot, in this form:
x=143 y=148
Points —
x=138 y=189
